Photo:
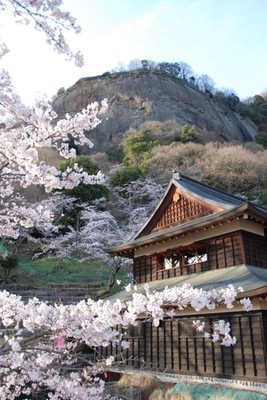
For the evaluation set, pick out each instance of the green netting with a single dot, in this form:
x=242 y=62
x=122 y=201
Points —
x=205 y=392
x=3 y=251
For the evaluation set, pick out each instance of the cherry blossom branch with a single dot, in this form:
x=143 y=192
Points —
x=58 y=330
x=49 y=19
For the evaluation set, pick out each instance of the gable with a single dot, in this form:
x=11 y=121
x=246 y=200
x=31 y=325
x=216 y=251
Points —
x=177 y=209
x=184 y=200
x=188 y=206
x=180 y=209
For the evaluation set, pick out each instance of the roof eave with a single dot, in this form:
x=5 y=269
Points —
x=181 y=229
x=177 y=181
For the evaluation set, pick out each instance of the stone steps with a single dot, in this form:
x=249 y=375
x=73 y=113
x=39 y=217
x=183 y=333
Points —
x=56 y=293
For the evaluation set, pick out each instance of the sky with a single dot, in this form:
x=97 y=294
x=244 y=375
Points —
x=225 y=39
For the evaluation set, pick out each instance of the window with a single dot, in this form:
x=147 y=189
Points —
x=185 y=257
x=195 y=256
x=169 y=262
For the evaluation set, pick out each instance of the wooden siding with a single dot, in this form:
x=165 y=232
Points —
x=144 y=269
x=255 y=248
x=175 y=347
x=179 y=211
x=223 y=251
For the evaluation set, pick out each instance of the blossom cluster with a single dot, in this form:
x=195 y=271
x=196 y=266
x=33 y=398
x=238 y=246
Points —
x=39 y=342
x=24 y=130
x=48 y=17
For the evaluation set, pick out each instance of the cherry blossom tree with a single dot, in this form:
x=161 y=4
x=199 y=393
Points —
x=86 y=237
x=98 y=226
x=135 y=202
x=39 y=343
x=24 y=131
x=42 y=231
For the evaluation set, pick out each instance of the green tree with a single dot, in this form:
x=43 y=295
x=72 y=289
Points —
x=263 y=197
x=137 y=149
x=60 y=91
x=261 y=138
x=189 y=133
x=228 y=98
x=125 y=175
x=84 y=193
x=256 y=110
x=9 y=263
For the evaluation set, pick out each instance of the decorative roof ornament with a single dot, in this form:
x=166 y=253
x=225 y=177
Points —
x=176 y=175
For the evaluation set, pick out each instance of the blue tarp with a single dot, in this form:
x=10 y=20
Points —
x=205 y=392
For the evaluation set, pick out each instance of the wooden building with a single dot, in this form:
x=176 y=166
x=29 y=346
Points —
x=206 y=237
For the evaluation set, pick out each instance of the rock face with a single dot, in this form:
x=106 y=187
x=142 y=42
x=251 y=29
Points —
x=139 y=96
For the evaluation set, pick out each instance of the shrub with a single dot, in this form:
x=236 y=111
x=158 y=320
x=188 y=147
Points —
x=261 y=138
x=8 y=263
x=125 y=175
x=162 y=133
x=146 y=382
x=189 y=133
x=167 y=158
x=233 y=168
x=263 y=197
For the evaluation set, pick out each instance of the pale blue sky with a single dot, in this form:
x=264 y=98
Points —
x=225 y=39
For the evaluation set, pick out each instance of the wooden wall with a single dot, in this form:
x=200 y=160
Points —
x=223 y=251
x=255 y=248
x=175 y=347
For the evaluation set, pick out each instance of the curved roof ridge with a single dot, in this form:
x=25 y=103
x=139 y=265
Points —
x=207 y=195
x=206 y=192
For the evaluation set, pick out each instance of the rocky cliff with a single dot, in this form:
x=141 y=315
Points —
x=139 y=96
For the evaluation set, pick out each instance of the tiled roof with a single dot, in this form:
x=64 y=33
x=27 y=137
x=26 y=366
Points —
x=207 y=193
x=250 y=278
x=229 y=205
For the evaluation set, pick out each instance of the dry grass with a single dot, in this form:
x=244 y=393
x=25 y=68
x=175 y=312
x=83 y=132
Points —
x=146 y=382
x=161 y=395
x=150 y=388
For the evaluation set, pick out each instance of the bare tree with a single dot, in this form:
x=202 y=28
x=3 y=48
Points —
x=152 y=64
x=206 y=84
x=185 y=70
x=120 y=67
x=134 y=65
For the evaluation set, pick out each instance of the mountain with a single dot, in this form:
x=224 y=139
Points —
x=149 y=95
